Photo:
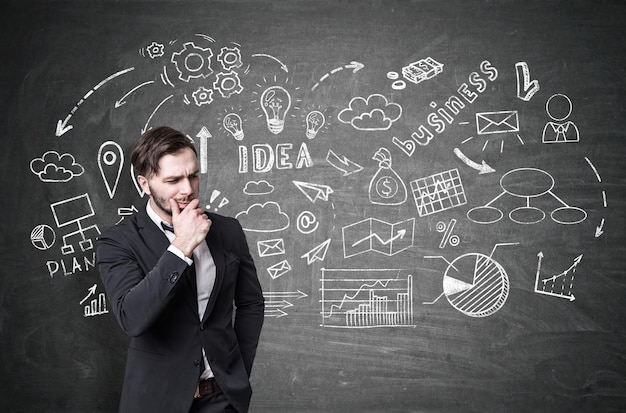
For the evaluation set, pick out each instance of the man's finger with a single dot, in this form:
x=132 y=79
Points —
x=174 y=207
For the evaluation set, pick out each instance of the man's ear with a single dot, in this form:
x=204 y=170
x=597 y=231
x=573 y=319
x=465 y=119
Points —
x=143 y=182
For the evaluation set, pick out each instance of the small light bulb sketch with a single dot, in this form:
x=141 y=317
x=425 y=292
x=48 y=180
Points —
x=275 y=102
x=314 y=122
x=559 y=107
x=233 y=124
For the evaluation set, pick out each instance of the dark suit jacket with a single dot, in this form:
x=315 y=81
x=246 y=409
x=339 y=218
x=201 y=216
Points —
x=155 y=303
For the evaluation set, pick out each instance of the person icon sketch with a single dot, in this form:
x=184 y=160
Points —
x=559 y=107
x=183 y=285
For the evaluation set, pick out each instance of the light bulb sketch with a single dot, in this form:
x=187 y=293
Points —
x=233 y=124
x=314 y=122
x=275 y=102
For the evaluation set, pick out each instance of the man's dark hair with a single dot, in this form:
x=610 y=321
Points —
x=153 y=145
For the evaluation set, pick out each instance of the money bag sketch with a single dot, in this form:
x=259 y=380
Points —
x=386 y=186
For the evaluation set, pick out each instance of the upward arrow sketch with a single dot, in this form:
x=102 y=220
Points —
x=92 y=291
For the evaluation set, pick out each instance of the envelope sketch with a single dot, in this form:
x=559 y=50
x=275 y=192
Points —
x=503 y=121
x=270 y=247
x=278 y=269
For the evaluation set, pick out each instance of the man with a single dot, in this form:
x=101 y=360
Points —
x=174 y=276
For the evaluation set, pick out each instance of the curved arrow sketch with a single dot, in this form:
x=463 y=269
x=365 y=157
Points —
x=63 y=126
x=482 y=168
x=121 y=101
x=145 y=128
x=355 y=66
x=282 y=65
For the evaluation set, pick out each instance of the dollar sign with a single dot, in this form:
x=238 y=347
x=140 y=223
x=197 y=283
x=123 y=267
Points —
x=389 y=189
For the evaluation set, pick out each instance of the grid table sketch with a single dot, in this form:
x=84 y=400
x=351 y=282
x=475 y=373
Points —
x=438 y=192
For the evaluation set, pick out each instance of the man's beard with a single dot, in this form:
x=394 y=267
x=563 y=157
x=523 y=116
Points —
x=163 y=204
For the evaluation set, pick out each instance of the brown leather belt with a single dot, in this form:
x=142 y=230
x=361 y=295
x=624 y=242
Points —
x=206 y=387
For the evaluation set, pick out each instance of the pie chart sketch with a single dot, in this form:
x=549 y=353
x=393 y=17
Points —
x=42 y=237
x=476 y=285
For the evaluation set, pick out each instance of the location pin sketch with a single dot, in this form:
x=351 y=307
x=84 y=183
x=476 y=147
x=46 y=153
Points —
x=110 y=162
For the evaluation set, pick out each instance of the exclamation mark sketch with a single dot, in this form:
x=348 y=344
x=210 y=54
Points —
x=214 y=196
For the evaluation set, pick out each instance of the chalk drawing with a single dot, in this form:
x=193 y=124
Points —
x=527 y=183
x=53 y=167
x=366 y=298
x=370 y=114
x=475 y=284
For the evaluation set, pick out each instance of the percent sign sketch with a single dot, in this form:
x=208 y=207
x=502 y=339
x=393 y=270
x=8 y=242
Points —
x=475 y=284
x=448 y=237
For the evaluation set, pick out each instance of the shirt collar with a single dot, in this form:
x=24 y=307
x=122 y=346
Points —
x=154 y=217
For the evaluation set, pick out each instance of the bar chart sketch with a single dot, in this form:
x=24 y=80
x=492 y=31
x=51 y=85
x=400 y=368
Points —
x=366 y=298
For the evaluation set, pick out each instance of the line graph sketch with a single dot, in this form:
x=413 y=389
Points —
x=558 y=285
x=366 y=298
x=438 y=192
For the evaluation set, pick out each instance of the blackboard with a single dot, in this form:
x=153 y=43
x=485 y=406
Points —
x=437 y=224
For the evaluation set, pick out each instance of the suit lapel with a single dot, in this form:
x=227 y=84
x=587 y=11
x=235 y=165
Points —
x=156 y=242
x=214 y=242
x=153 y=238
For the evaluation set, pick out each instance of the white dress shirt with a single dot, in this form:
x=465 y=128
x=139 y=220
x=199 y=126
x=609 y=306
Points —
x=205 y=274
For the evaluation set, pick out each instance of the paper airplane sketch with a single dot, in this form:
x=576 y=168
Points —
x=53 y=167
x=475 y=284
x=527 y=184
x=378 y=236
x=366 y=298
x=318 y=253
x=342 y=163
x=559 y=285
x=559 y=107
x=371 y=114
x=314 y=191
